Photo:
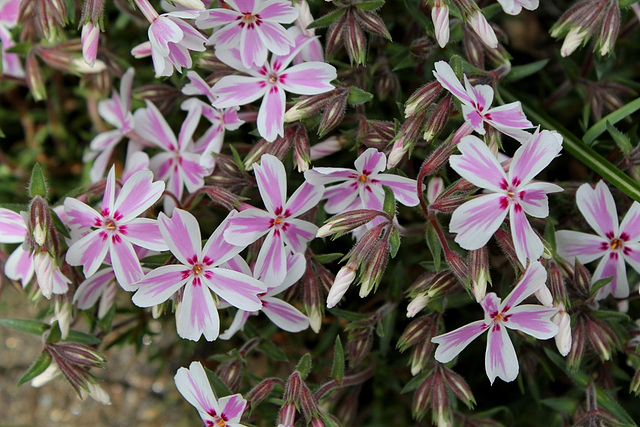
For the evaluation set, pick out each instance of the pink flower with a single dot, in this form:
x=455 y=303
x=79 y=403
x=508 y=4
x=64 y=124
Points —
x=101 y=286
x=193 y=384
x=614 y=243
x=197 y=274
x=171 y=38
x=179 y=164
x=271 y=81
x=313 y=50
x=283 y=314
x=362 y=188
x=13 y=229
x=500 y=358
x=476 y=101
x=252 y=26
x=513 y=193
x=284 y=231
x=117 y=112
x=116 y=228
x=89 y=39
x=9 y=10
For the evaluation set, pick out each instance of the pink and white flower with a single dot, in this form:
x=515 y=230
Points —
x=285 y=233
x=313 y=50
x=116 y=228
x=194 y=386
x=171 y=38
x=500 y=358
x=117 y=112
x=514 y=7
x=283 y=314
x=13 y=229
x=362 y=188
x=270 y=82
x=252 y=26
x=615 y=243
x=11 y=66
x=179 y=164
x=197 y=274
x=510 y=193
x=476 y=102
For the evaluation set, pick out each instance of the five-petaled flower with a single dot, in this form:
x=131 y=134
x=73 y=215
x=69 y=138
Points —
x=362 y=188
x=278 y=222
x=512 y=192
x=500 y=357
x=116 y=227
x=198 y=271
x=476 y=101
x=193 y=384
x=252 y=26
x=271 y=81
x=614 y=243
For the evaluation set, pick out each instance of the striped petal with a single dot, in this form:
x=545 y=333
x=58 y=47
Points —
x=477 y=220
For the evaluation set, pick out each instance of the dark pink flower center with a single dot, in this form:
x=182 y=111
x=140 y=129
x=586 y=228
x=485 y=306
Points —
x=250 y=20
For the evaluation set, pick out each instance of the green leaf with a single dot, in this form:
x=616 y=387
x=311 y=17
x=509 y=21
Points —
x=389 y=203
x=414 y=383
x=327 y=19
x=434 y=246
x=408 y=61
x=599 y=285
x=620 y=139
x=394 y=242
x=358 y=96
x=304 y=366
x=272 y=350
x=82 y=338
x=337 y=370
x=24 y=325
x=58 y=224
x=581 y=379
x=610 y=404
x=613 y=118
x=327 y=258
x=54 y=333
x=37 y=186
x=36 y=369
x=370 y=5
x=577 y=148
x=521 y=71
x=550 y=235
x=348 y=315
x=219 y=387
x=237 y=158
x=20 y=48
x=561 y=404
x=159 y=259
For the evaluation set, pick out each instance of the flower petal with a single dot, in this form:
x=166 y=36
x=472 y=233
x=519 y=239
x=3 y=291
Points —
x=19 y=266
x=533 y=279
x=89 y=251
x=217 y=250
x=477 y=220
x=533 y=198
x=271 y=113
x=151 y=126
x=248 y=226
x=252 y=48
x=138 y=194
x=238 y=90
x=160 y=284
x=12 y=226
x=79 y=214
x=91 y=289
x=271 y=264
x=404 y=189
x=284 y=315
x=197 y=314
x=448 y=79
x=533 y=156
x=272 y=183
x=339 y=197
x=533 y=320
x=274 y=37
x=181 y=232
x=452 y=343
x=612 y=265
x=371 y=162
x=194 y=386
x=125 y=263
x=585 y=247
x=630 y=227
x=508 y=115
x=308 y=78
x=236 y=288
x=303 y=199
x=298 y=233
x=500 y=358
x=232 y=407
x=526 y=242
x=478 y=165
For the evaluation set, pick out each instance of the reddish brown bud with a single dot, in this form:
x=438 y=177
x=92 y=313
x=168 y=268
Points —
x=506 y=244
x=473 y=48
x=335 y=36
x=371 y=23
x=222 y=197
x=354 y=40
x=333 y=113
x=359 y=344
x=458 y=265
x=301 y=147
x=34 y=77
x=163 y=96
x=422 y=47
x=438 y=158
x=293 y=388
x=230 y=373
x=581 y=280
x=421 y=329
x=438 y=118
x=261 y=391
x=422 y=98
x=459 y=386
x=578 y=341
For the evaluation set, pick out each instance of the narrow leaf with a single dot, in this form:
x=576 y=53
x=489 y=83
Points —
x=358 y=96
x=613 y=118
x=620 y=139
x=304 y=366
x=337 y=371
x=521 y=71
x=389 y=203
x=24 y=325
x=327 y=19
x=36 y=369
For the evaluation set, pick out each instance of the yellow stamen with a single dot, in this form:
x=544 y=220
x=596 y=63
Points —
x=221 y=423
x=363 y=178
x=278 y=221
x=197 y=269
x=499 y=317
x=111 y=225
x=615 y=244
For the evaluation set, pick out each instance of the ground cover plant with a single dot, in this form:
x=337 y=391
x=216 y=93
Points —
x=337 y=213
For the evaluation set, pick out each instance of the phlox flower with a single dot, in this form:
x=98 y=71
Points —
x=476 y=102
x=500 y=357
x=510 y=193
x=171 y=38
x=194 y=386
x=179 y=164
x=10 y=64
x=514 y=7
x=252 y=26
x=614 y=243
x=284 y=231
x=361 y=188
x=222 y=119
x=100 y=286
x=117 y=112
x=270 y=82
x=197 y=274
x=283 y=314
x=313 y=50
x=116 y=228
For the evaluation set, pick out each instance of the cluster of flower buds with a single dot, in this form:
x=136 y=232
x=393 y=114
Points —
x=333 y=103
x=418 y=335
x=585 y=19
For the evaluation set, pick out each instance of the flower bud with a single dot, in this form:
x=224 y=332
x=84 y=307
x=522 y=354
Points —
x=422 y=98
x=48 y=275
x=601 y=337
x=438 y=158
x=398 y=151
x=440 y=18
x=609 y=28
x=506 y=244
x=287 y=415
x=573 y=40
x=333 y=113
x=581 y=280
x=376 y=133
x=292 y=388
x=421 y=329
x=459 y=386
x=261 y=391
x=343 y=280
x=578 y=341
x=191 y=4
x=311 y=297
x=327 y=147
x=301 y=148
x=335 y=36
x=417 y=304
x=458 y=265
x=374 y=268
x=89 y=40
x=483 y=29
x=346 y=222
x=354 y=40
x=371 y=23
x=435 y=187
x=438 y=118
x=230 y=372
x=143 y=50
x=479 y=272
x=63 y=314
x=448 y=204
x=34 y=78
x=359 y=344
x=308 y=403
x=563 y=337
x=544 y=296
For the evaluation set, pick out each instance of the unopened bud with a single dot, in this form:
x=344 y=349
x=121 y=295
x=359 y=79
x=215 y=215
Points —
x=191 y=4
x=143 y=50
x=89 y=39
x=544 y=296
x=483 y=29
x=374 y=268
x=417 y=304
x=479 y=272
x=435 y=187
x=473 y=48
x=359 y=344
x=578 y=342
x=573 y=40
x=231 y=373
x=301 y=148
x=458 y=265
x=34 y=77
x=333 y=113
x=440 y=18
x=63 y=315
x=261 y=391
x=287 y=415
x=581 y=280
x=420 y=356
x=293 y=388
x=563 y=337
x=438 y=118
x=420 y=329
x=609 y=29
x=346 y=222
x=354 y=40
x=343 y=280
x=438 y=158
x=459 y=386
x=398 y=151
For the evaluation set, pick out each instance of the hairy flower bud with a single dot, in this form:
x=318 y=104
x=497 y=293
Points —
x=609 y=28
x=34 y=77
x=563 y=337
x=354 y=40
x=374 y=268
x=479 y=272
x=333 y=113
x=345 y=222
x=473 y=47
x=344 y=279
x=398 y=151
x=483 y=29
x=359 y=344
x=422 y=98
x=438 y=118
x=231 y=372
x=573 y=40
